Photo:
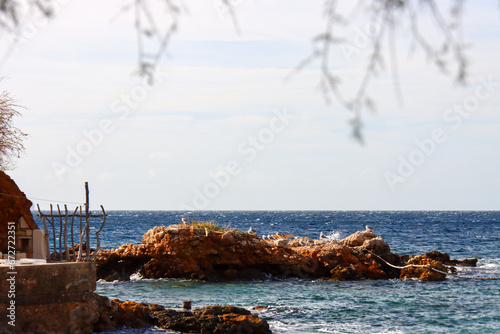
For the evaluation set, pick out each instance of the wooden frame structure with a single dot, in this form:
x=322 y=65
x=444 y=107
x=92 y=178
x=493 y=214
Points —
x=64 y=224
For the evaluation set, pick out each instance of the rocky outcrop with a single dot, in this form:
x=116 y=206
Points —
x=445 y=259
x=181 y=251
x=419 y=266
x=115 y=314
x=13 y=206
x=423 y=268
x=13 y=202
x=212 y=319
x=184 y=251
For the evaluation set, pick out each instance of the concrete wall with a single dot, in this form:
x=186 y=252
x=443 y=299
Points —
x=49 y=298
x=40 y=245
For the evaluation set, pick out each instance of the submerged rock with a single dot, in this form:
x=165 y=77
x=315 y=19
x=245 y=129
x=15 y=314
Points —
x=183 y=251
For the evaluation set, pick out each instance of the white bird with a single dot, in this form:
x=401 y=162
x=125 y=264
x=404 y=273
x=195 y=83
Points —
x=368 y=228
x=322 y=236
x=184 y=221
x=252 y=231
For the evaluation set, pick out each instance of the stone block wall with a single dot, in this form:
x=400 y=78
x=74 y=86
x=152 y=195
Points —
x=49 y=298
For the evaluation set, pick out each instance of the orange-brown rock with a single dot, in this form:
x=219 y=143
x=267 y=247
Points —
x=424 y=268
x=445 y=259
x=115 y=314
x=212 y=319
x=13 y=206
x=358 y=238
x=183 y=251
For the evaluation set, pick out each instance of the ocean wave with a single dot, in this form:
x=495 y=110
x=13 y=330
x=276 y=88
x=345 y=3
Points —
x=334 y=235
x=490 y=270
x=489 y=264
x=103 y=281
x=279 y=327
x=136 y=277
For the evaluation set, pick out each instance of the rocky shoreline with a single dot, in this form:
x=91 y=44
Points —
x=208 y=252
x=215 y=319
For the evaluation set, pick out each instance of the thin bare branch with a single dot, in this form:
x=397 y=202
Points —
x=383 y=14
x=147 y=26
x=232 y=13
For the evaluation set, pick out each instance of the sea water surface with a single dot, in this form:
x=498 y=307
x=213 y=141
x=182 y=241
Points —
x=455 y=305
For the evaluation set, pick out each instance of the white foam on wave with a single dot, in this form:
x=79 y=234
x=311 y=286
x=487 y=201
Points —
x=297 y=325
x=334 y=235
x=293 y=327
x=485 y=268
x=490 y=266
x=103 y=281
x=279 y=327
x=489 y=263
x=136 y=277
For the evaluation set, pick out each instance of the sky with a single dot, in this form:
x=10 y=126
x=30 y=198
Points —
x=225 y=126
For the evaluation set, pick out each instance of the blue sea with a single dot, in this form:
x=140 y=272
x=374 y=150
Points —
x=456 y=305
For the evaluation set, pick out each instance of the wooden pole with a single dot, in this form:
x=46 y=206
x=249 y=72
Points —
x=87 y=199
x=81 y=238
x=72 y=240
x=53 y=231
x=66 y=249
x=99 y=231
x=186 y=305
x=60 y=233
x=87 y=218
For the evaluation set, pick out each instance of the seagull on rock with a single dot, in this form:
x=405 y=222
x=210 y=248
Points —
x=252 y=231
x=184 y=221
x=368 y=228
x=322 y=236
